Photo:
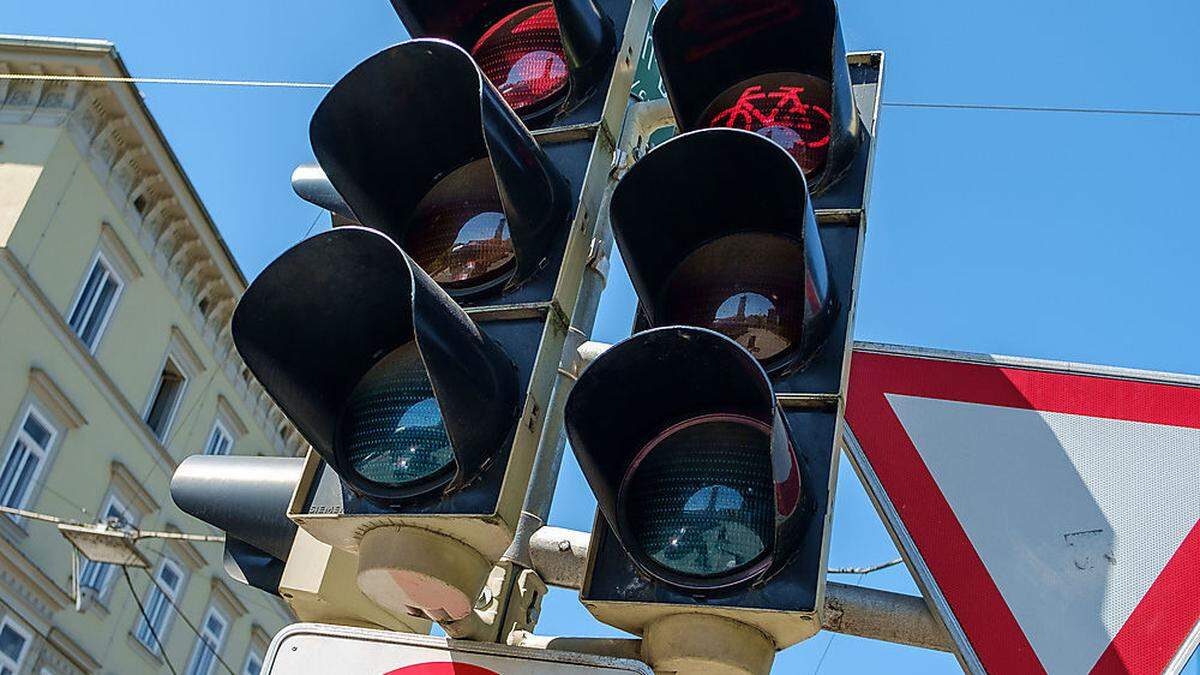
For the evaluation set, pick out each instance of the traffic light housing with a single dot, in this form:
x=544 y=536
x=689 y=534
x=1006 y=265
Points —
x=775 y=67
x=247 y=498
x=443 y=295
x=551 y=61
x=752 y=234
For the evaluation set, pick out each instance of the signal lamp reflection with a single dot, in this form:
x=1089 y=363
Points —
x=392 y=432
x=460 y=235
x=744 y=287
x=698 y=499
x=523 y=55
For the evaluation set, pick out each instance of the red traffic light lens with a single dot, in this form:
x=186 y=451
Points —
x=392 y=432
x=747 y=287
x=522 y=54
x=791 y=109
x=459 y=234
x=698 y=500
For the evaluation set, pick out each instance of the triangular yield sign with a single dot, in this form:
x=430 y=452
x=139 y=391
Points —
x=1054 y=516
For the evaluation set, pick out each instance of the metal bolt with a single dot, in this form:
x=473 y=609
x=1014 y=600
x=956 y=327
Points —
x=564 y=546
x=484 y=599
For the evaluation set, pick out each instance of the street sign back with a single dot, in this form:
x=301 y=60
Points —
x=320 y=648
x=1050 y=511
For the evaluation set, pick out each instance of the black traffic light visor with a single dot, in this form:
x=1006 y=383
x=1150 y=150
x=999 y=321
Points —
x=704 y=185
x=652 y=382
x=411 y=114
x=248 y=498
x=588 y=38
x=704 y=47
x=325 y=312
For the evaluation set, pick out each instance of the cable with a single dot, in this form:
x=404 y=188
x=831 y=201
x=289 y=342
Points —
x=865 y=570
x=313 y=224
x=185 y=620
x=832 y=637
x=161 y=648
x=284 y=84
x=1041 y=109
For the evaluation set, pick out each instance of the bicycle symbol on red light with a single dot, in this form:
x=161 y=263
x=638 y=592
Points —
x=785 y=115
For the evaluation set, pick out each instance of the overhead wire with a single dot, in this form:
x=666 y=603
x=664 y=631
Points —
x=286 y=84
x=183 y=616
x=149 y=624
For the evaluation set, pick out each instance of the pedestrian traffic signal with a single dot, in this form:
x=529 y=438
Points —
x=551 y=61
x=415 y=346
x=710 y=436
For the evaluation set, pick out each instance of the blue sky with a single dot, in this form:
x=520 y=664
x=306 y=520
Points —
x=1052 y=235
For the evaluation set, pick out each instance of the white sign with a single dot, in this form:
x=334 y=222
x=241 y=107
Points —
x=320 y=649
x=1050 y=511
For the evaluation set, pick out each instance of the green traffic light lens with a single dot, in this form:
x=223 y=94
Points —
x=392 y=430
x=700 y=501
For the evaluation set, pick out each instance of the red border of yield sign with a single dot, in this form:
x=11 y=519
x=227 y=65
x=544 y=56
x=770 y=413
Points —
x=1162 y=620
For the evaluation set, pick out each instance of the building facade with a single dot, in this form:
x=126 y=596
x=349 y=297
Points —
x=116 y=362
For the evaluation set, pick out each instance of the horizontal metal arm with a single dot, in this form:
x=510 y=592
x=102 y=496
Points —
x=560 y=557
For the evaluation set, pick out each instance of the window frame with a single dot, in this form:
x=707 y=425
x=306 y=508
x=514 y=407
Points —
x=168 y=358
x=106 y=571
x=101 y=260
x=252 y=655
x=25 y=633
x=220 y=427
x=17 y=434
x=193 y=664
x=168 y=607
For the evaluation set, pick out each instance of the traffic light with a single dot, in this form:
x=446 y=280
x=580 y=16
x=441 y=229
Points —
x=416 y=345
x=709 y=437
x=247 y=497
x=551 y=61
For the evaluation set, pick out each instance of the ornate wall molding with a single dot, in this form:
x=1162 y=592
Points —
x=138 y=174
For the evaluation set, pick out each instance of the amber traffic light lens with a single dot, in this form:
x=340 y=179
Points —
x=748 y=287
x=392 y=432
x=791 y=109
x=522 y=54
x=699 y=499
x=459 y=234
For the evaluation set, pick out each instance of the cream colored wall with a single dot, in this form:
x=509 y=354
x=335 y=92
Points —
x=55 y=238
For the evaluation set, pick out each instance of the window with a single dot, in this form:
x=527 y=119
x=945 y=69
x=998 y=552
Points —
x=212 y=636
x=168 y=583
x=253 y=664
x=14 y=643
x=26 y=458
x=167 y=395
x=95 y=303
x=97 y=576
x=220 y=441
